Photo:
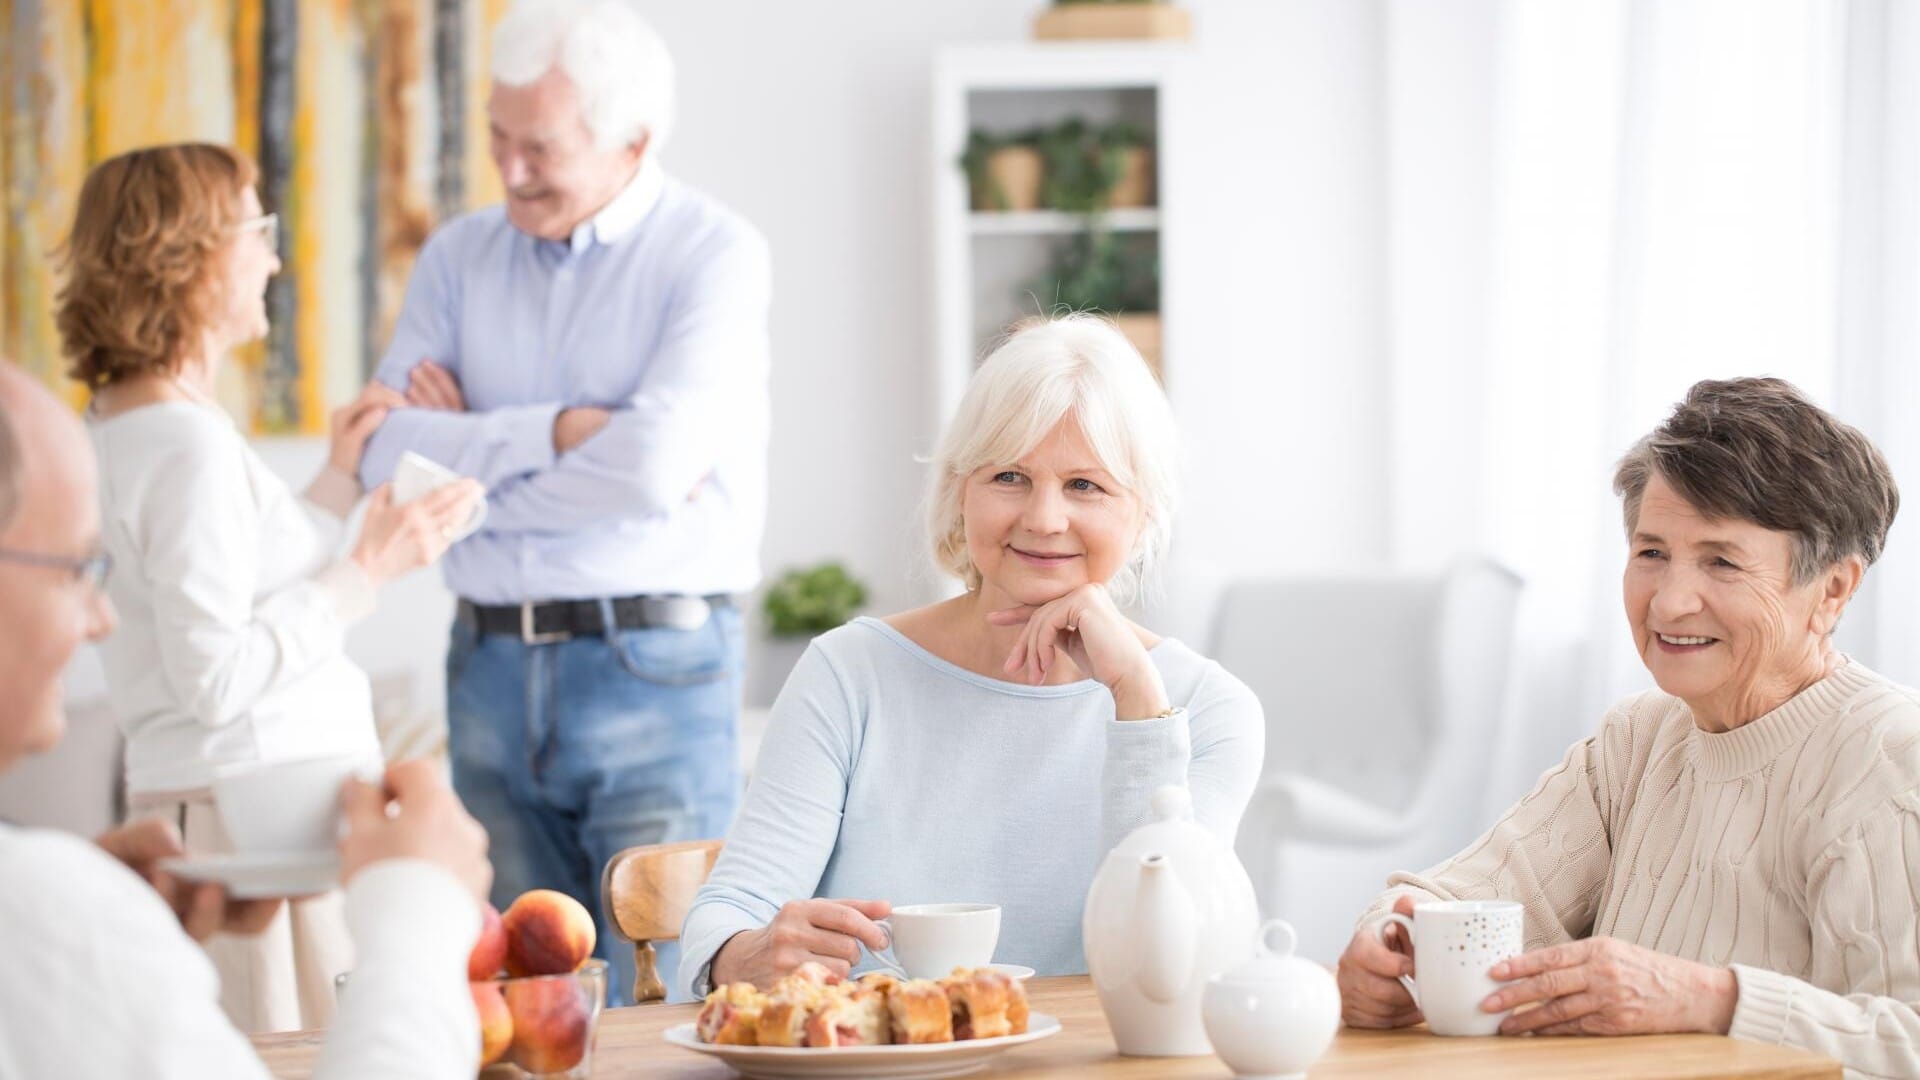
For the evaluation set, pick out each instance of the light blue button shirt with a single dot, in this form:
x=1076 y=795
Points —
x=657 y=308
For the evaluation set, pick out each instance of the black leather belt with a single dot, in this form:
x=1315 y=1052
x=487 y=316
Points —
x=550 y=621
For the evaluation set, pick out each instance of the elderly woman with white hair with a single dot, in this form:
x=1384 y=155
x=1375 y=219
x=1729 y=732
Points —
x=993 y=746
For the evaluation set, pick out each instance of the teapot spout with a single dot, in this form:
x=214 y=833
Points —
x=1165 y=929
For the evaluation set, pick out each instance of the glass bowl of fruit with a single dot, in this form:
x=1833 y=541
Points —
x=540 y=1025
x=537 y=988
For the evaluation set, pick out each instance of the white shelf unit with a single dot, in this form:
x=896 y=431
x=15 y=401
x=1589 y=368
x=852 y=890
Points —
x=1056 y=222
x=984 y=260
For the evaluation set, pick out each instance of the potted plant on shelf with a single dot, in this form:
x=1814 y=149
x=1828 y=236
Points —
x=1003 y=171
x=1069 y=20
x=1090 y=169
x=1101 y=272
x=801 y=603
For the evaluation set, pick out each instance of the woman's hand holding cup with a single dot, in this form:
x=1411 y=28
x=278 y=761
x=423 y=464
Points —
x=1371 y=993
x=827 y=932
x=396 y=540
x=413 y=814
x=1086 y=626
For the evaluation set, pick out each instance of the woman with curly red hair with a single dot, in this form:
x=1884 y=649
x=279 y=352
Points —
x=234 y=600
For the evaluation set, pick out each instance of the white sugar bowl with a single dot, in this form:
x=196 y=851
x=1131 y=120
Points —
x=1274 y=1015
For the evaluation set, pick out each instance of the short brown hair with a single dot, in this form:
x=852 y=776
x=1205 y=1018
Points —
x=138 y=269
x=1758 y=450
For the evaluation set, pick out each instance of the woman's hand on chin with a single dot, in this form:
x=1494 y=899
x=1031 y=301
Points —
x=1101 y=642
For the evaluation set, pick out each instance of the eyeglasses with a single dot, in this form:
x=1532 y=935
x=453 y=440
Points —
x=267 y=225
x=91 y=570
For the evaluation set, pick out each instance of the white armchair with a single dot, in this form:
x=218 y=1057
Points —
x=1383 y=695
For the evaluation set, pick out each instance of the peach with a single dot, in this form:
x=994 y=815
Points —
x=490 y=951
x=496 y=1022
x=552 y=1022
x=548 y=933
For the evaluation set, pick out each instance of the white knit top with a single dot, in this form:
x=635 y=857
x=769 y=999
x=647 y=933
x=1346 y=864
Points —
x=1788 y=849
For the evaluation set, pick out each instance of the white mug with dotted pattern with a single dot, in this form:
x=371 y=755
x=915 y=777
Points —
x=1455 y=942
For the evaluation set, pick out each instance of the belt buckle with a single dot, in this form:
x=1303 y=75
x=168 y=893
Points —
x=527 y=634
x=676 y=612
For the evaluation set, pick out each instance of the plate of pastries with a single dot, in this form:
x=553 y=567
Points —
x=814 y=1024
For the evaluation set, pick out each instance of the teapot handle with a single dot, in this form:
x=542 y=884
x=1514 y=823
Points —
x=1289 y=940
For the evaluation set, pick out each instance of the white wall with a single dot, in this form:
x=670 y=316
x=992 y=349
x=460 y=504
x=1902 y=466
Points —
x=814 y=126
x=1280 y=243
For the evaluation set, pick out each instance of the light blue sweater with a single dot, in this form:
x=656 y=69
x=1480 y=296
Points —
x=889 y=773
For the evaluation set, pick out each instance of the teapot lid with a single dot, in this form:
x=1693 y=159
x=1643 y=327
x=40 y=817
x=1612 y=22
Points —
x=1273 y=960
x=1172 y=828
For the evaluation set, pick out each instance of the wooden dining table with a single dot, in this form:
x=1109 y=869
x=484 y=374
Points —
x=630 y=1046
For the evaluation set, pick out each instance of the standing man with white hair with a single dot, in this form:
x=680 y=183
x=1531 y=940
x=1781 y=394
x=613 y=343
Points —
x=594 y=351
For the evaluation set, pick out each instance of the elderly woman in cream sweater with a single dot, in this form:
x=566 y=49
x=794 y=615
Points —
x=1734 y=852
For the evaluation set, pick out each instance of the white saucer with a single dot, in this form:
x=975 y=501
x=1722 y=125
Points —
x=258 y=877
x=1016 y=972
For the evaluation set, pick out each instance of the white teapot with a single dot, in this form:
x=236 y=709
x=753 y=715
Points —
x=1170 y=908
x=1274 y=1015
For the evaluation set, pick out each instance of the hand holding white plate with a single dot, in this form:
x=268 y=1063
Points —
x=261 y=876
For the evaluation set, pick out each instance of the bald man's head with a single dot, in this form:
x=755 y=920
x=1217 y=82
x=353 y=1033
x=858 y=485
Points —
x=49 y=527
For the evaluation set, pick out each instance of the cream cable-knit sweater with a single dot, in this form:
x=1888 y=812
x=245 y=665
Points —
x=1788 y=848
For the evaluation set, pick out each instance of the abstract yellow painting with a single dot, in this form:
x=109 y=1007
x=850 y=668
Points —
x=366 y=117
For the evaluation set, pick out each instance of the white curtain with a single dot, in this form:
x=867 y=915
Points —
x=1592 y=205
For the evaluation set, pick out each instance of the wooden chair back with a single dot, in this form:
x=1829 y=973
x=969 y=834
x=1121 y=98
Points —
x=648 y=890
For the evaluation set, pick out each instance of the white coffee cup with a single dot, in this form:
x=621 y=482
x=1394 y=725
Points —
x=416 y=476
x=1455 y=943
x=286 y=807
x=930 y=940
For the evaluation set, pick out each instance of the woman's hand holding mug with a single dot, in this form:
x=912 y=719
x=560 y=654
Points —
x=396 y=540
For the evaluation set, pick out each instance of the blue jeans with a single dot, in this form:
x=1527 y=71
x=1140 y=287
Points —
x=569 y=752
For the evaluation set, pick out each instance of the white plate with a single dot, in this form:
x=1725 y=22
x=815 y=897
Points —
x=257 y=877
x=922 y=1061
x=1016 y=972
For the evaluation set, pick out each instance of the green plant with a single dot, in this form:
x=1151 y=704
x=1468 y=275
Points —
x=1096 y=270
x=1084 y=162
x=981 y=145
x=812 y=600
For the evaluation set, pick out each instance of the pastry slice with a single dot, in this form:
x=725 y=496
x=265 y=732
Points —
x=985 y=1003
x=783 y=1019
x=852 y=1016
x=918 y=1012
x=730 y=1015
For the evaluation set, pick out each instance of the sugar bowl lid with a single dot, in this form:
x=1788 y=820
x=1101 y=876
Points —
x=1273 y=961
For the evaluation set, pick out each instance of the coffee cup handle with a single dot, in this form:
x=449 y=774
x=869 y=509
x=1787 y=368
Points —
x=1406 y=927
x=885 y=953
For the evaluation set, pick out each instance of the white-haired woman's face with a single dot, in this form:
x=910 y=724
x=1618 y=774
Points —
x=1042 y=526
